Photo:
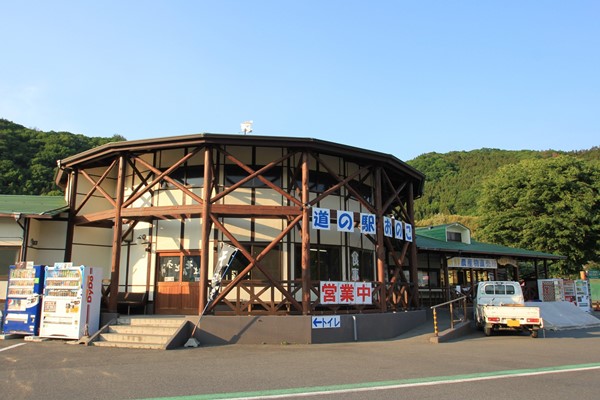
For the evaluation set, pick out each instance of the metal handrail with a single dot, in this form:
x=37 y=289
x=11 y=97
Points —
x=450 y=302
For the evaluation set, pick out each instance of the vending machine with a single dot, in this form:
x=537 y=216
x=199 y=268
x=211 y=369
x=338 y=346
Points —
x=582 y=293
x=23 y=299
x=71 y=305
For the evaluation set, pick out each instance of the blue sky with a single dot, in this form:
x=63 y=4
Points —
x=401 y=77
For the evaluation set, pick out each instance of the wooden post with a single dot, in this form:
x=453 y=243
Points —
x=413 y=259
x=116 y=242
x=206 y=226
x=379 y=247
x=72 y=211
x=446 y=276
x=305 y=236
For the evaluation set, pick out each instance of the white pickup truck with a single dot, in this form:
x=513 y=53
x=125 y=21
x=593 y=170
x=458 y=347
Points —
x=499 y=305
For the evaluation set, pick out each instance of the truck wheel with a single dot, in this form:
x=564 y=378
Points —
x=487 y=330
x=534 y=333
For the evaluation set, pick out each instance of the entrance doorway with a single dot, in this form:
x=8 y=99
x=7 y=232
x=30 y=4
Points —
x=178 y=284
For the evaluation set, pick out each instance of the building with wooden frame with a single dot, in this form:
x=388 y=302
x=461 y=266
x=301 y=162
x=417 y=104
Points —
x=153 y=212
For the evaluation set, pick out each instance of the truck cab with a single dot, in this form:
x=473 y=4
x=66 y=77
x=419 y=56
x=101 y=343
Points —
x=499 y=293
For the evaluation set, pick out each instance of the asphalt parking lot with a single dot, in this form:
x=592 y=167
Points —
x=56 y=369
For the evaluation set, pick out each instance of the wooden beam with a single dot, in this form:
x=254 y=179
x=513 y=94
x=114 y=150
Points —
x=96 y=185
x=166 y=177
x=255 y=262
x=360 y=199
x=163 y=175
x=305 y=236
x=255 y=174
x=71 y=221
x=397 y=197
x=222 y=210
x=379 y=247
x=398 y=261
x=342 y=182
x=206 y=227
x=116 y=242
x=413 y=260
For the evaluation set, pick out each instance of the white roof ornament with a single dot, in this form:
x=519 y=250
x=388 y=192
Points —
x=246 y=127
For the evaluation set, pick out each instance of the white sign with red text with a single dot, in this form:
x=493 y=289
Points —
x=349 y=293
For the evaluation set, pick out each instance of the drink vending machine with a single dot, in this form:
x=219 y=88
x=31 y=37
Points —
x=23 y=298
x=71 y=305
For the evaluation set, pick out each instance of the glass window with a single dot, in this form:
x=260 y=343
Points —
x=429 y=278
x=271 y=263
x=191 y=269
x=177 y=175
x=454 y=236
x=169 y=267
x=234 y=174
x=364 y=190
x=361 y=264
x=9 y=255
x=434 y=279
x=325 y=263
x=423 y=279
x=195 y=176
x=499 y=289
x=319 y=182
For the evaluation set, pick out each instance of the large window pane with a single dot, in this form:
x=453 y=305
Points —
x=195 y=176
x=325 y=263
x=271 y=263
x=234 y=174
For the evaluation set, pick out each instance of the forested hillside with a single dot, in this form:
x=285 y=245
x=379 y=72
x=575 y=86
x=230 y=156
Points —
x=547 y=201
x=454 y=180
x=28 y=157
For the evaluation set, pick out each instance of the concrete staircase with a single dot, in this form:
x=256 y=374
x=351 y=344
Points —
x=140 y=332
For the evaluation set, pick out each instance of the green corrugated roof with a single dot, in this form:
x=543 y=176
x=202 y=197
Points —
x=32 y=205
x=435 y=232
x=430 y=244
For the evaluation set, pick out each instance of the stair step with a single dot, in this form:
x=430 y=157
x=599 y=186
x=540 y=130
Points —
x=142 y=329
x=129 y=345
x=172 y=322
x=132 y=338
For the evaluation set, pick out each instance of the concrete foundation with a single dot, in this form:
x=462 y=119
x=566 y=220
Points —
x=298 y=329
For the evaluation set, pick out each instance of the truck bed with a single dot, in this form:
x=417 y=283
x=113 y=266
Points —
x=511 y=317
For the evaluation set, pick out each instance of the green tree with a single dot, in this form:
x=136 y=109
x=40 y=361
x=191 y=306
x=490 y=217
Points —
x=549 y=205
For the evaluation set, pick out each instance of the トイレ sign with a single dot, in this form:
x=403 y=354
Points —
x=326 y=321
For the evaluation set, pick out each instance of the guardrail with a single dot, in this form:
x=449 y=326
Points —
x=450 y=303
